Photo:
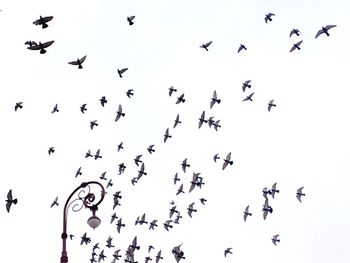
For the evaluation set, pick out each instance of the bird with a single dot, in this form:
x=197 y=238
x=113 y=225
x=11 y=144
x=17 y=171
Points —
x=120 y=146
x=88 y=154
x=184 y=165
x=274 y=190
x=97 y=154
x=203 y=200
x=227 y=251
x=113 y=217
x=109 y=242
x=85 y=239
x=121 y=71
x=296 y=46
x=129 y=93
x=202 y=119
x=266 y=208
x=246 y=85
x=180 y=99
x=55 y=109
x=178 y=253
x=120 y=113
x=18 y=105
x=122 y=168
x=246 y=213
x=93 y=124
x=78 y=62
x=249 y=97
x=294 y=31
x=171 y=90
x=51 y=150
x=103 y=176
x=180 y=190
x=101 y=256
x=55 y=202
x=166 y=135
x=137 y=159
x=43 y=21
x=176 y=178
x=30 y=43
x=172 y=211
x=150 y=149
x=206 y=45
x=214 y=99
x=10 y=200
x=153 y=224
x=120 y=225
x=130 y=20
x=324 y=30
x=216 y=157
x=134 y=180
x=177 y=120
x=158 y=256
x=167 y=224
x=83 y=108
x=241 y=47
x=300 y=193
x=78 y=172
x=194 y=181
x=41 y=46
x=216 y=125
x=275 y=239
x=190 y=209
x=103 y=101
x=271 y=104
x=268 y=17
x=227 y=161
x=116 y=254
x=109 y=184
x=141 y=171
x=266 y=192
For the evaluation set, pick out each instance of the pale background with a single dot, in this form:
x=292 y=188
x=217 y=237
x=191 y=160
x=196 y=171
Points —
x=304 y=141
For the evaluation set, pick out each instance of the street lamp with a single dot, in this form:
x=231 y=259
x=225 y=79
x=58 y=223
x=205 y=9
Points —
x=85 y=199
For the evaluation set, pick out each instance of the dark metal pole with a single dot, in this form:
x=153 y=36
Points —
x=87 y=201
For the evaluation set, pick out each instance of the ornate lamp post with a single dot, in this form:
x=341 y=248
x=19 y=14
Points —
x=85 y=199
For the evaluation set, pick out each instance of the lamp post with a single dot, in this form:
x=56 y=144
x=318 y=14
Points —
x=85 y=199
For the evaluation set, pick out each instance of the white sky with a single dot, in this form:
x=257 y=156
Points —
x=304 y=141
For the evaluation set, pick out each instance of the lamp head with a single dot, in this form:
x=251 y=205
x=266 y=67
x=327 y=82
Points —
x=94 y=221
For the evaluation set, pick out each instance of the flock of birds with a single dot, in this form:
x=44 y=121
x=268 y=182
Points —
x=197 y=181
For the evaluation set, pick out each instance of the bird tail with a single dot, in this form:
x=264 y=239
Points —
x=80 y=66
x=15 y=201
x=42 y=51
x=45 y=25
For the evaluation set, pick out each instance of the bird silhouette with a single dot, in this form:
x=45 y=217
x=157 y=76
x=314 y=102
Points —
x=300 y=193
x=93 y=124
x=137 y=159
x=214 y=99
x=203 y=200
x=167 y=224
x=241 y=47
x=41 y=46
x=78 y=62
x=55 y=202
x=274 y=190
x=246 y=85
x=18 y=105
x=216 y=157
x=101 y=256
x=78 y=172
x=10 y=201
x=153 y=224
x=172 y=211
x=55 y=109
x=103 y=176
x=171 y=90
x=184 y=165
x=43 y=21
x=202 y=120
x=275 y=239
x=103 y=101
x=249 y=97
x=88 y=154
x=266 y=208
x=83 y=108
x=109 y=184
x=30 y=43
x=177 y=120
x=120 y=225
x=166 y=135
x=190 y=209
x=268 y=17
x=85 y=239
x=296 y=46
x=122 y=168
x=227 y=251
x=150 y=149
x=246 y=213
x=129 y=93
x=271 y=104
x=180 y=190
x=120 y=113
x=206 y=45
x=97 y=155
x=141 y=171
x=324 y=30
x=176 y=178
x=159 y=256
x=180 y=99
x=51 y=150
x=113 y=217
x=294 y=32
x=130 y=20
x=121 y=71
x=227 y=161
x=120 y=146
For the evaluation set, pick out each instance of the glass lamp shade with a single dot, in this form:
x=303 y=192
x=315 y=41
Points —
x=94 y=222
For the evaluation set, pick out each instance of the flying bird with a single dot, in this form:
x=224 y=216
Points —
x=246 y=85
x=214 y=99
x=241 y=47
x=10 y=200
x=129 y=93
x=18 y=105
x=130 y=20
x=158 y=256
x=137 y=159
x=30 y=43
x=109 y=242
x=227 y=161
x=120 y=225
x=101 y=256
x=43 y=21
x=141 y=171
x=88 y=154
x=190 y=209
x=249 y=97
x=171 y=90
x=246 y=213
x=120 y=146
x=97 y=154
x=180 y=99
x=324 y=30
x=274 y=190
x=153 y=224
x=120 y=113
x=113 y=217
x=300 y=193
x=177 y=121
x=268 y=17
x=266 y=208
x=85 y=239
x=180 y=190
x=294 y=31
x=216 y=157
x=41 y=46
x=296 y=46
x=266 y=192
x=167 y=224
x=202 y=119
x=203 y=200
x=121 y=71
x=55 y=202
x=227 y=251
x=103 y=101
x=51 y=150
x=205 y=46
x=55 y=109
x=93 y=124
x=83 y=108
x=172 y=211
x=78 y=172
x=167 y=135
x=121 y=168
x=184 y=165
x=150 y=149
x=271 y=104
x=78 y=62
x=275 y=239
x=176 y=178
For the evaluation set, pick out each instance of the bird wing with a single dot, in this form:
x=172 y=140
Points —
x=82 y=59
x=9 y=195
x=75 y=62
x=47 y=44
x=208 y=44
x=201 y=119
x=319 y=33
x=330 y=26
x=123 y=70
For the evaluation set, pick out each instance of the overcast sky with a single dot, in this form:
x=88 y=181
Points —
x=303 y=141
